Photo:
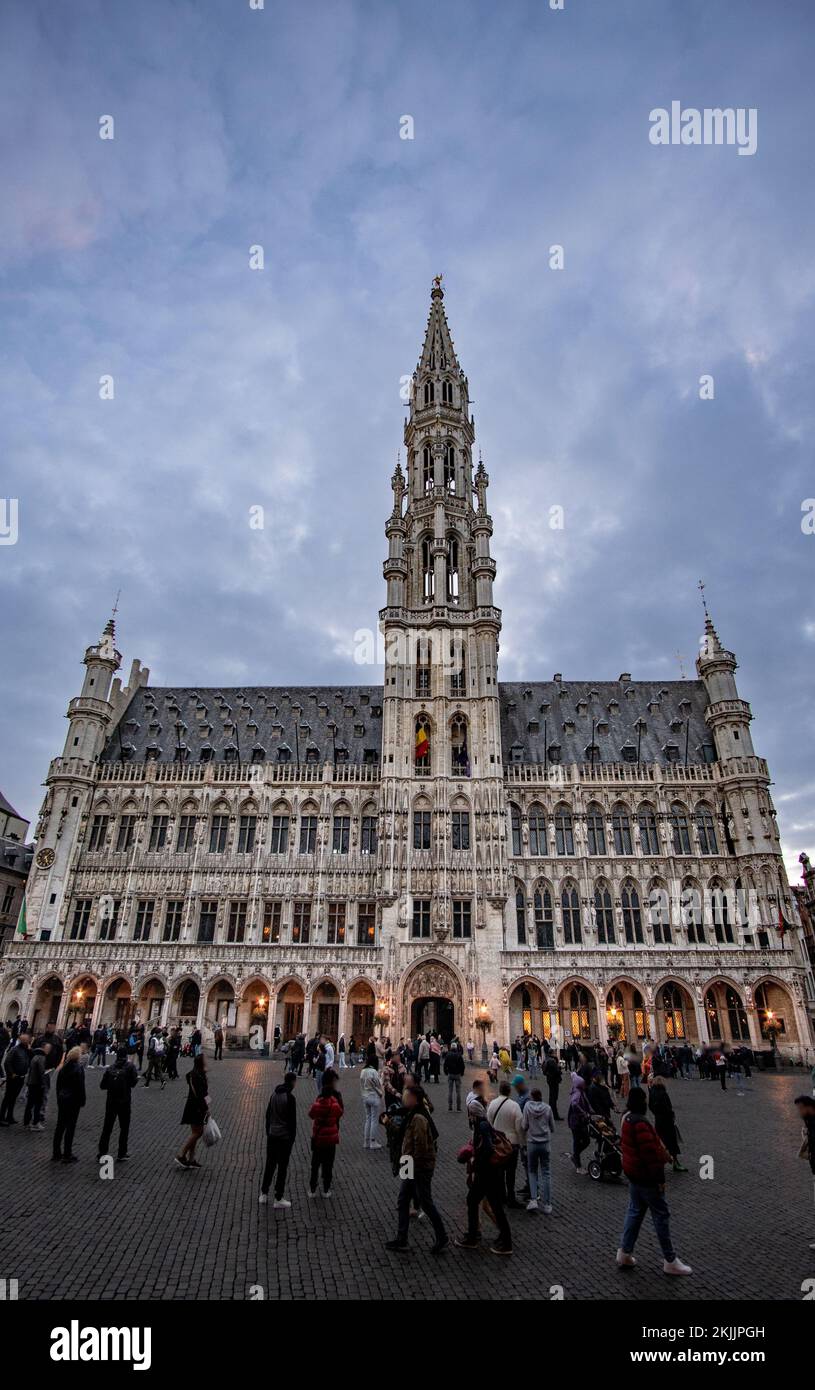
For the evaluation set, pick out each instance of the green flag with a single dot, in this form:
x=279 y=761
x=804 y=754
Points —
x=21 y=922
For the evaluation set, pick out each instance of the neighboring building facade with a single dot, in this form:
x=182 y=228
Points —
x=576 y=858
x=15 y=862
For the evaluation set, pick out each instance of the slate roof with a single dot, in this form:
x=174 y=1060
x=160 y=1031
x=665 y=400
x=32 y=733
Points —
x=569 y=707
x=534 y=715
x=7 y=809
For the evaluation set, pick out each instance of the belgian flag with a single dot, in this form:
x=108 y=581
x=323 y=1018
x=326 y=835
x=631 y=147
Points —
x=422 y=740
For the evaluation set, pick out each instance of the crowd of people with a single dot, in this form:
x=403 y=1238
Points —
x=507 y=1145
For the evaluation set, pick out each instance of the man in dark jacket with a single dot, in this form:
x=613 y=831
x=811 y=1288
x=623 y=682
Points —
x=454 y=1070
x=644 y=1159
x=281 y=1130
x=486 y=1182
x=118 y=1081
x=553 y=1074
x=70 y=1100
x=100 y=1047
x=416 y=1165
x=36 y=1087
x=16 y=1065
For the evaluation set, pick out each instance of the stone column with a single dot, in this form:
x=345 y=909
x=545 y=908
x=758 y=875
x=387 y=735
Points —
x=701 y=1023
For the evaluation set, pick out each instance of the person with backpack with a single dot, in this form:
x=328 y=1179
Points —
x=417 y=1161
x=325 y=1115
x=281 y=1131
x=219 y=1044
x=505 y=1116
x=155 y=1059
x=486 y=1157
x=454 y=1070
x=644 y=1159
x=196 y=1044
x=117 y=1081
x=99 y=1052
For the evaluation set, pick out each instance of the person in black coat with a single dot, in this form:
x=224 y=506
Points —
x=16 y=1063
x=118 y=1081
x=196 y=1111
x=454 y=1070
x=281 y=1131
x=553 y=1074
x=70 y=1100
x=659 y=1103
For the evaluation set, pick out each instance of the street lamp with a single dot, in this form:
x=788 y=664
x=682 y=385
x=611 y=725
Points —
x=382 y=1017
x=483 y=1022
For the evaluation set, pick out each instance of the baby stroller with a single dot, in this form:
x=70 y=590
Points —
x=606 y=1161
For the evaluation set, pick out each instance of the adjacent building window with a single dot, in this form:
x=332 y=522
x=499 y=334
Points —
x=621 y=828
x=537 y=831
x=109 y=918
x=218 y=834
x=236 y=925
x=301 y=923
x=632 y=915
x=308 y=834
x=544 y=920
x=366 y=924
x=421 y=830
x=420 y=928
x=520 y=916
x=462 y=919
x=570 y=907
x=127 y=833
x=595 y=831
x=564 y=832
x=272 y=921
x=336 y=924
x=706 y=831
x=81 y=918
x=461 y=830
x=99 y=832
x=647 y=821
x=158 y=832
x=207 y=920
x=172 y=920
x=246 y=834
x=341 y=835
x=186 y=834
x=604 y=916
x=279 y=842
x=368 y=843
x=144 y=919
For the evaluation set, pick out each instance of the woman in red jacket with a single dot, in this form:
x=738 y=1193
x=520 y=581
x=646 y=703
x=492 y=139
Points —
x=326 y=1113
x=644 y=1159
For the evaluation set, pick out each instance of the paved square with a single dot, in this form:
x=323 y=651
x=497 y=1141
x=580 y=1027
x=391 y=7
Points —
x=154 y=1231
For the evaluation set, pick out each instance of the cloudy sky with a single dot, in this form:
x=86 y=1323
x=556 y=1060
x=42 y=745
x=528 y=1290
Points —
x=236 y=127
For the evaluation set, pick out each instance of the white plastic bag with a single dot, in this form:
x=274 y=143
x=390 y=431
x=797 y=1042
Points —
x=212 y=1134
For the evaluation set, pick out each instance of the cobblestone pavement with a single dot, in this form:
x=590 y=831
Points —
x=156 y=1232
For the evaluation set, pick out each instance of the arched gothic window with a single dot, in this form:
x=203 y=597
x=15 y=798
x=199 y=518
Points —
x=736 y=1017
x=520 y=915
x=427 y=469
x=447 y=392
x=428 y=579
x=450 y=469
x=564 y=831
x=515 y=824
x=429 y=393
x=544 y=920
x=570 y=907
x=595 y=830
x=659 y=914
x=579 y=1012
x=460 y=756
x=680 y=829
x=671 y=1000
x=604 y=915
x=722 y=925
x=422 y=747
x=647 y=821
x=537 y=830
x=621 y=826
x=452 y=570
x=706 y=831
x=632 y=915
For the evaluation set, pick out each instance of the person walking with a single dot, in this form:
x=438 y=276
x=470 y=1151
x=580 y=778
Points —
x=70 y=1100
x=539 y=1125
x=805 y=1105
x=341 y=1052
x=470 y=1051
x=579 y=1111
x=36 y=1084
x=454 y=1070
x=423 y=1059
x=99 y=1051
x=139 y=1031
x=325 y=1115
x=552 y=1072
x=297 y=1055
x=720 y=1064
x=16 y=1064
x=435 y=1059
x=117 y=1081
x=661 y=1107
x=486 y=1183
x=418 y=1135
x=219 y=1044
x=155 y=1059
x=644 y=1159
x=372 y=1091
x=173 y=1050
x=505 y=1116
x=281 y=1131
x=195 y=1112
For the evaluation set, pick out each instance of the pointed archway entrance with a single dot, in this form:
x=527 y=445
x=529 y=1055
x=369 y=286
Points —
x=432 y=999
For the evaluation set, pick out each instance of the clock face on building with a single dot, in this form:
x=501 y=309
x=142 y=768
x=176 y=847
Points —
x=45 y=858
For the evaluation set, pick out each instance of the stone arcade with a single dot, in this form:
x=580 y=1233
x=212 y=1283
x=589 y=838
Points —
x=572 y=857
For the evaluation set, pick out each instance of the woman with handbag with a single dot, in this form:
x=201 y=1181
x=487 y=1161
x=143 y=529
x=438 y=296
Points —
x=196 y=1112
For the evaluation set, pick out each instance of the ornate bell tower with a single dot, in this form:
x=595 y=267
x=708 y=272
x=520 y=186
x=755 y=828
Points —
x=443 y=840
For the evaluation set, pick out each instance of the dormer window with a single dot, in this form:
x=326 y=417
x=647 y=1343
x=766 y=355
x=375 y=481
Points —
x=284 y=753
x=152 y=753
x=591 y=753
x=370 y=756
x=230 y=753
x=207 y=753
x=258 y=754
x=341 y=755
x=533 y=726
x=671 y=752
x=629 y=753
x=127 y=750
x=359 y=729
x=568 y=726
x=516 y=753
x=554 y=753
x=613 y=706
x=312 y=754
x=376 y=711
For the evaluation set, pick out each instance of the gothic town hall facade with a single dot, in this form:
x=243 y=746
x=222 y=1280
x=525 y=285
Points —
x=575 y=858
